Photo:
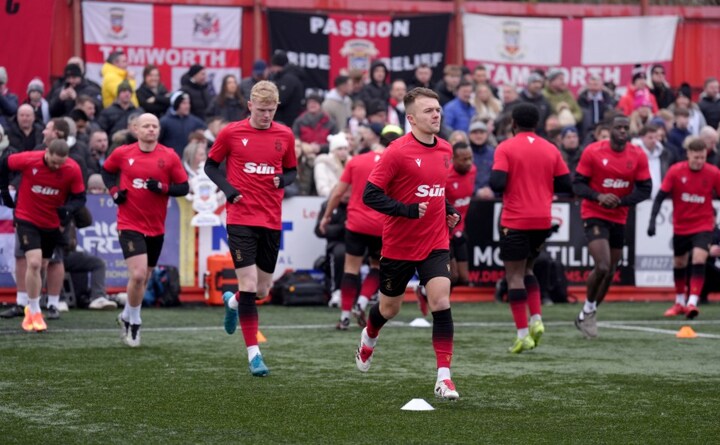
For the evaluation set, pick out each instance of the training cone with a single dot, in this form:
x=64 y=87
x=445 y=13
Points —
x=261 y=338
x=420 y=323
x=686 y=332
x=417 y=405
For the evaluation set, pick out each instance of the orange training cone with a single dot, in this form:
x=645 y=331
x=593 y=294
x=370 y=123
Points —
x=686 y=332
x=261 y=338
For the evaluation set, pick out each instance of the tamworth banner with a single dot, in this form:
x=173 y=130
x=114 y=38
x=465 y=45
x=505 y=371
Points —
x=327 y=44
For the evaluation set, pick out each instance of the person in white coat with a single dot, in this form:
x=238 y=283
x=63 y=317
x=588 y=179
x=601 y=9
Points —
x=329 y=167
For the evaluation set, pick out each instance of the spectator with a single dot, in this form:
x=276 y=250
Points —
x=194 y=83
x=422 y=78
x=486 y=104
x=376 y=112
x=483 y=155
x=570 y=148
x=314 y=125
x=480 y=77
x=195 y=154
x=558 y=96
x=533 y=94
x=329 y=167
x=114 y=117
x=396 y=106
x=82 y=123
x=287 y=78
x=79 y=150
x=458 y=113
x=41 y=107
x=230 y=103
x=660 y=88
x=23 y=131
x=177 y=124
x=369 y=137
x=600 y=133
x=65 y=93
x=88 y=106
x=659 y=159
x=458 y=136
x=358 y=117
x=594 y=101
x=337 y=103
x=152 y=94
x=357 y=82
x=676 y=137
x=710 y=102
x=449 y=83
x=98 y=147
x=642 y=115
x=115 y=72
x=682 y=100
x=96 y=186
x=637 y=94
x=377 y=88
x=259 y=72
x=710 y=137
x=8 y=101
x=214 y=125
x=93 y=86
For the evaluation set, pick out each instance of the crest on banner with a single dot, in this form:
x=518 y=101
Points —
x=359 y=53
x=512 y=37
x=117 y=23
x=206 y=27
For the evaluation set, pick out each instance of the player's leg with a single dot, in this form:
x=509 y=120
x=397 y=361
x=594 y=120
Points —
x=514 y=251
x=598 y=235
x=700 y=252
x=371 y=284
x=135 y=252
x=54 y=282
x=616 y=241
x=460 y=255
x=434 y=272
x=681 y=254
x=350 y=283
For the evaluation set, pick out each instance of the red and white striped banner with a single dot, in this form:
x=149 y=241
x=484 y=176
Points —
x=511 y=47
x=168 y=36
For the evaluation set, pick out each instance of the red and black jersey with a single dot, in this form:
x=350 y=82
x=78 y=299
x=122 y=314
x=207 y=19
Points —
x=692 y=194
x=459 y=191
x=254 y=157
x=610 y=171
x=42 y=190
x=361 y=218
x=144 y=211
x=411 y=172
x=531 y=164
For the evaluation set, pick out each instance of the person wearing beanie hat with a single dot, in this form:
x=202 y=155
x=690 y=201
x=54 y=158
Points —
x=194 y=83
x=8 y=101
x=279 y=59
x=638 y=94
x=114 y=71
x=329 y=167
x=178 y=123
x=65 y=91
x=561 y=100
x=35 y=92
x=115 y=117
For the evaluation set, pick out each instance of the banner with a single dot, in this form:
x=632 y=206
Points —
x=511 y=47
x=101 y=238
x=25 y=52
x=568 y=245
x=327 y=44
x=171 y=37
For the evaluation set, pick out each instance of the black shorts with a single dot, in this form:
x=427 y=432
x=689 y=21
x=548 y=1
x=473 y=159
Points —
x=31 y=237
x=135 y=243
x=357 y=244
x=253 y=245
x=596 y=228
x=518 y=245
x=459 y=248
x=683 y=244
x=395 y=274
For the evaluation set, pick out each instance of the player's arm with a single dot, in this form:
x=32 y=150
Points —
x=452 y=216
x=641 y=192
x=375 y=198
x=581 y=188
x=498 y=181
x=5 y=197
x=332 y=204
x=286 y=178
x=156 y=186
x=562 y=184
x=73 y=204
x=212 y=169
x=659 y=198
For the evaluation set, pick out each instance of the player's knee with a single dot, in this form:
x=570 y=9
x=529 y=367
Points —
x=603 y=268
x=137 y=276
x=34 y=265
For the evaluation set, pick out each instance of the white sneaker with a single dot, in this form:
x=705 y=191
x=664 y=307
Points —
x=363 y=357
x=102 y=303
x=133 y=336
x=120 y=298
x=335 y=298
x=445 y=389
x=62 y=306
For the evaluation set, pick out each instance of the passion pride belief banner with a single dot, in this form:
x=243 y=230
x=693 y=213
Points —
x=511 y=47
x=327 y=44
x=172 y=37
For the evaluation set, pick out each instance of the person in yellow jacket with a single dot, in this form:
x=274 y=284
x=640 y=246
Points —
x=114 y=71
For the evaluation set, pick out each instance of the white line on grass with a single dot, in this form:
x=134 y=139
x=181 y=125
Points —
x=625 y=327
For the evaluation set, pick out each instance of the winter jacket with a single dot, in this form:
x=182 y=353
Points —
x=659 y=161
x=199 y=96
x=8 y=107
x=696 y=121
x=159 y=106
x=593 y=108
x=18 y=139
x=458 y=114
x=571 y=158
x=483 y=156
x=233 y=110
x=328 y=170
x=292 y=94
x=86 y=87
x=556 y=97
x=114 y=118
x=174 y=130
x=113 y=76
x=542 y=105
x=710 y=108
x=664 y=95
x=444 y=94
x=628 y=103
x=314 y=127
x=339 y=108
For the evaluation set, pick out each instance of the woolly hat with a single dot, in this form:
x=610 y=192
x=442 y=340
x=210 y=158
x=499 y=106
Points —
x=195 y=69
x=685 y=90
x=124 y=86
x=567 y=130
x=642 y=99
x=337 y=141
x=177 y=98
x=36 y=85
x=638 y=72
x=553 y=73
x=279 y=58
x=259 y=67
x=374 y=106
x=534 y=77
x=72 y=70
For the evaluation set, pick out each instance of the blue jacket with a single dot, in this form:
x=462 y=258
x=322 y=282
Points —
x=174 y=130
x=483 y=156
x=458 y=114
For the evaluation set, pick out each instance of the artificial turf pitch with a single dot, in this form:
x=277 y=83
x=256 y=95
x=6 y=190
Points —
x=189 y=382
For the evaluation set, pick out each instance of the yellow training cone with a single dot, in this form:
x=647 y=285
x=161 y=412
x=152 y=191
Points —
x=261 y=338
x=686 y=332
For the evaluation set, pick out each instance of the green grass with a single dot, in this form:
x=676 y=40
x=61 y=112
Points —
x=189 y=382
